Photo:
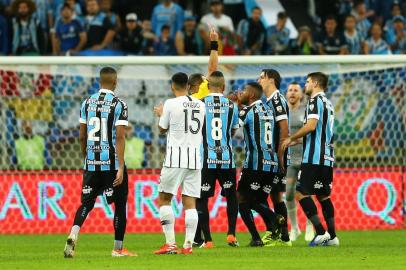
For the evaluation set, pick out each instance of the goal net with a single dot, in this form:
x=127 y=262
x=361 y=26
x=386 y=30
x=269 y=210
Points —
x=40 y=158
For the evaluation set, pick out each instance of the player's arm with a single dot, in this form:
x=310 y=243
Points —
x=162 y=112
x=284 y=133
x=235 y=121
x=214 y=56
x=121 y=116
x=83 y=139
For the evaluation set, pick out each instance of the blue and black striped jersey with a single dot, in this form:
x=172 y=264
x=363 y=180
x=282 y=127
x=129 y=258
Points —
x=101 y=113
x=318 y=145
x=221 y=119
x=258 y=122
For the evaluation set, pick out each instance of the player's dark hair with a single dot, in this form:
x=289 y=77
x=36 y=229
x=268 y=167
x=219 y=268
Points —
x=358 y=2
x=66 y=5
x=107 y=71
x=273 y=74
x=180 y=80
x=320 y=78
x=282 y=15
x=255 y=8
x=257 y=88
x=165 y=27
x=217 y=74
x=350 y=16
x=195 y=79
x=330 y=17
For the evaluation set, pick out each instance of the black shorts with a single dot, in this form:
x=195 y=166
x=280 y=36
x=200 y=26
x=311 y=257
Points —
x=226 y=178
x=279 y=183
x=96 y=183
x=256 y=184
x=315 y=180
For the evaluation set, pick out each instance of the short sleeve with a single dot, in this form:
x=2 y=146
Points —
x=121 y=114
x=243 y=115
x=313 y=109
x=83 y=115
x=235 y=122
x=279 y=108
x=164 y=119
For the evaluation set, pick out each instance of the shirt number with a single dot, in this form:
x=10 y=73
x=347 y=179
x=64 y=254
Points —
x=193 y=118
x=95 y=122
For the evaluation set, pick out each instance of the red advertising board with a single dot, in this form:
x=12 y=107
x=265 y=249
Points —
x=45 y=202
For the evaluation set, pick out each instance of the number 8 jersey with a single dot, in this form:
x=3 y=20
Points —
x=101 y=113
x=221 y=119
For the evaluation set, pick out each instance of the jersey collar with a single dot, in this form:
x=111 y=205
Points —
x=106 y=91
x=256 y=102
x=273 y=94
x=319 y=93
x=216 y=94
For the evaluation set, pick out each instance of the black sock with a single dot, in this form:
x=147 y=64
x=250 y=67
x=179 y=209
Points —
x=280 y=209
x=248 y=218
x=202 y=207
x=310 y=210
x=82 y=213
x=328 y=213
x=266 y=214
x=120 y=219
x=232 y=212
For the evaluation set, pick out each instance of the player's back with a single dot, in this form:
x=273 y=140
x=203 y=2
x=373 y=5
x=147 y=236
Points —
x=185 y=117
x=258 y=121
x=221 y=119
x=102 y=112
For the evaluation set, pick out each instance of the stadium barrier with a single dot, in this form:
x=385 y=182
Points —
x=40 y=98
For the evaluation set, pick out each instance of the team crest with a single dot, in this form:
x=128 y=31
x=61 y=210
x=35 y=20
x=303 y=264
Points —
x=318 y=185
x=206 y=187
x=279 y=109
x=267 y=189
x=228 y=184
x=124 y=113
x=311 y=107
x=242 y=112
x=255 y=186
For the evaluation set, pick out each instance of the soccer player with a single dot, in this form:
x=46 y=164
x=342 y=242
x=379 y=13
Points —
x=182 y=119
x=103 y=118
x=197 y=83
x=270 y=81
x=294 y=97
x=261 y=162
x=316 y=171
x=218 y=162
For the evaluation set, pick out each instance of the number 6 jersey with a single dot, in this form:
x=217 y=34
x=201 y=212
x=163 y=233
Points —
x=183 y=116
x=101 y=113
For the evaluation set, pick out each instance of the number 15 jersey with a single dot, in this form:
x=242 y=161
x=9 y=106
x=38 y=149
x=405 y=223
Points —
x=101 y=113
x=221 y=119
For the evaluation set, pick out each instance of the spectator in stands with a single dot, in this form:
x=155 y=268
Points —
x=396 y=11
x=165 y=44
x=396 y=37
x=329 y=40
x=149 y=38
x=189 y=40
x=56 y=7
x=277 y=36
x=355 y=41
x=304 y=44
x=216 y=18
x=42 y=14
x=376 y=45
x=251 y=33
x=105 y=6
x=134 y=150
x=27 y=32
x=4 y=37
x=100 y=30
x=361 y=15
x=131 y=38
x=167 y=13
x=70 y=36
x=236 y=9
x=30 y=149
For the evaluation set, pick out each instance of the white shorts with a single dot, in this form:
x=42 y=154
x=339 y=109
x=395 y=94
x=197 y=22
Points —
x=172 y=178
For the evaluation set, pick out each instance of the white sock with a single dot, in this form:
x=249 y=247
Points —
x=292 y=214
x=191 y=219
x=75 y=230
x=168 y=223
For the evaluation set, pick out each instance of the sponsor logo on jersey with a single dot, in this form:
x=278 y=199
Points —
x=218 y=149
x=98 y=162
x=217 y=161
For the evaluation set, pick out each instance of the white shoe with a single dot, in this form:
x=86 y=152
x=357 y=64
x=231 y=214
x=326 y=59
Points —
x=69 y=250
x=294 y=234
x=333 y=242
x=320 y=240
x=309 y=232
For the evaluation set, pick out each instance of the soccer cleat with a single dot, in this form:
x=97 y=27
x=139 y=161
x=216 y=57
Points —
x=167 y=249
x=256 y=243
x=320 y=240
x=294 y=234
x=309 y=232
x=269 y=239
x=281 y=243
x=197 y=244
x=208 y=244
x=333 y=242
x=186 y=251
x=232 y=241
x=122 y=253
x=69 y=250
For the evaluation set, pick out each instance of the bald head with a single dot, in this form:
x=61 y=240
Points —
x=108 y=78
x=216 y=82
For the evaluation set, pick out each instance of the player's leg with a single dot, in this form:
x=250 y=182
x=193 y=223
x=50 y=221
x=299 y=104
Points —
x=91 y=187
x=208 y=185
x=190 y=192
x=291 y=178
x=168 y=186
x=280 y=206
x=228 y=182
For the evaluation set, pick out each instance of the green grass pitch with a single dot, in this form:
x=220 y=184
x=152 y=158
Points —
x=358 y=250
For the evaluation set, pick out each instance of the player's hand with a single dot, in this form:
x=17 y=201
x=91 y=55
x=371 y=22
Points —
x=158 y=109
x=233 y=97
x=281 y=159
x=214 y=36
x=119 y=177
x=97 y=47
x=286 y=143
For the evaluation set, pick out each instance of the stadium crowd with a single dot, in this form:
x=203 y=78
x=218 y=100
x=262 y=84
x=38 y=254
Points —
x=103 y=27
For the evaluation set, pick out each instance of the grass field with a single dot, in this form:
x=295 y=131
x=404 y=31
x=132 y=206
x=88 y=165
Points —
x=358 y=250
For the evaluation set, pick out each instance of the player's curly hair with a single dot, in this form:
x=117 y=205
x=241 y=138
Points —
x=32 y=7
